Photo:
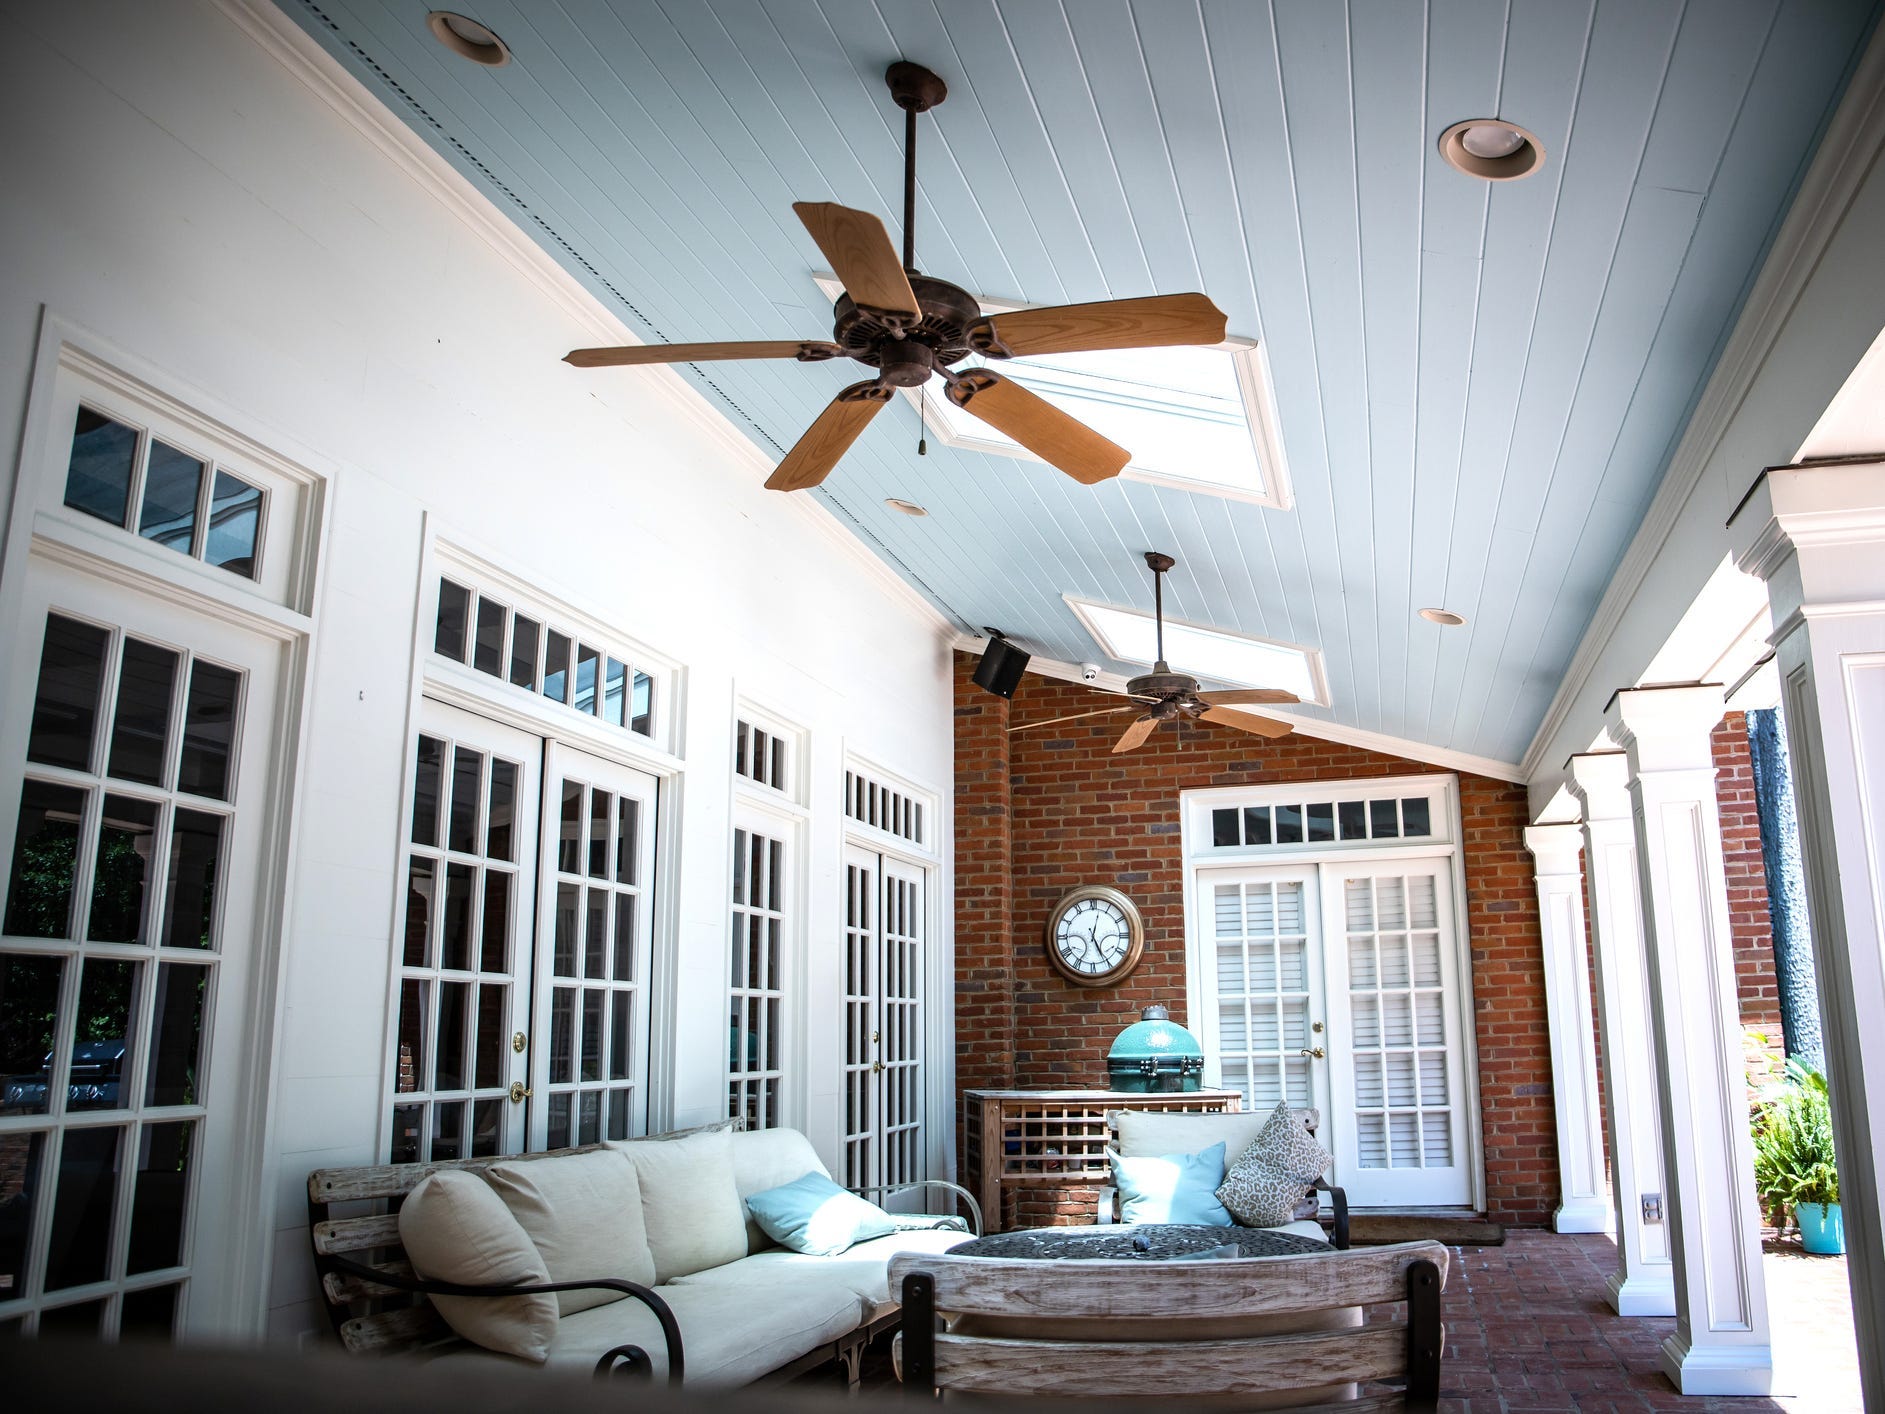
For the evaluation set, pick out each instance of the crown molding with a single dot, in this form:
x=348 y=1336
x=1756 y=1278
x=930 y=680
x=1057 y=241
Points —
x=329 y=80
x=1847 y=153
x=1305 y=726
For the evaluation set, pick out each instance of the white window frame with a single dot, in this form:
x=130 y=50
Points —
x=1447 y=840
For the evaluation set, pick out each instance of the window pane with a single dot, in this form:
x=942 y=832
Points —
x=65 y=707
x=196 y=839
x=467 y=785
x=563 y=958
x=487 y=1127
x=455 y=937
x=559 y=1121
x=596 y=935
x=45 y=858
x=620 y=1034
x=524 y=635
x=448 y=1131
x=150 y=1314
x=421 y=900
x=172 y=482
x=20 y=1186
x=235 y=525
x=29 y=1001
x=1257 y=824
x=81 y=1214
x=177 y=1043
x=412 y=1021
x=624 y=938
x=454 y=1035
x=593 y=1002
x=570 y=841
x=209 y=723
x=615 y=692
x=497 y=842
x=107 y=1001
x=1381 y=815
x=448 y=637
x=127 y=832
x=555 y=666
x=487 y=653
x=589 y=1117
x=1415 y=816
x=98 y=476
x=642 y=706
x=160 y=1198
x=1321 y=823
x=408 y=1126
x=426 y=785
x=1354 y=817
x=489 y=1056
x=140 y=727
x=563 y=1035
x=588 y=664
x=600 y=803
x=1289 y=824
x=494 y=945
x=1224 y=829
x=627 y=840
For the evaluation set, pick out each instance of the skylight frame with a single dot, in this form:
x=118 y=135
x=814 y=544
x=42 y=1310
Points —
x=1249 y=362
x=1087 y=611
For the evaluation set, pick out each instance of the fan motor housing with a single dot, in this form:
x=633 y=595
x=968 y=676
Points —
x=1163 y=685
x=948 y=312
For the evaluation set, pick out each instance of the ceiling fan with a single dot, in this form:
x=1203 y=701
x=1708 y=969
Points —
x=909 y=326
x=1165 y=696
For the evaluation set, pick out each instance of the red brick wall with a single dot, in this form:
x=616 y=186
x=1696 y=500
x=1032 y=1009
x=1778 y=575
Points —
x=1746 y=876
x=1075 y=814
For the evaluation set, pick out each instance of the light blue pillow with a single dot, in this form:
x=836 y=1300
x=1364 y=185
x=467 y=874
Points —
x=813 y=1215
x=1173 y=1188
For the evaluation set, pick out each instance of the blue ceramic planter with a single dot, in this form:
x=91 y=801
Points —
x=1822 y=1229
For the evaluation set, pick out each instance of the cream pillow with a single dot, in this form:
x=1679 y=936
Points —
x=455 y=1228
x=689 y=1201
x=1149 y=1133
x=583 y=1211
x=764 y=1159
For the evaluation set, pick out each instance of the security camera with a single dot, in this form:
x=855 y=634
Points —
x=1089 y=672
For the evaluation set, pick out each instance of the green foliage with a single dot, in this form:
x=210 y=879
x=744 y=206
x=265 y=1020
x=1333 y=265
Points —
x=1793 y=1142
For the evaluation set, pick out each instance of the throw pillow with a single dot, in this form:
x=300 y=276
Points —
x=583 y=1211
x=455 y=1228
x=766 y=1158
x=689 y=1201
x=811 y=1214
x=1172 y=1188
x=1267 y=1182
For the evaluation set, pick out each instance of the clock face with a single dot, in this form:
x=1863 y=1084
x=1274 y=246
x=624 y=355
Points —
x=1094 y=935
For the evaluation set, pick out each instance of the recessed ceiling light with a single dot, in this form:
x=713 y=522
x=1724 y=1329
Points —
x=468 y=39
x=902 y=507
x=1444 y=617
x=1492 y=149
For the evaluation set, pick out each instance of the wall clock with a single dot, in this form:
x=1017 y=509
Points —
x=1095 y=936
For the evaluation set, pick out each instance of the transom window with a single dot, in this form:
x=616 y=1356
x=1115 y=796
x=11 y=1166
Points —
x=760 y=756
x=882 y=806
x=1357 y=819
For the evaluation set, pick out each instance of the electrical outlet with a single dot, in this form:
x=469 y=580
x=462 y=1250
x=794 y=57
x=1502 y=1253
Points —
x=1652 y=1207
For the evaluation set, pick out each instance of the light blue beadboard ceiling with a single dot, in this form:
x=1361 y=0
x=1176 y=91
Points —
x=1479 y=385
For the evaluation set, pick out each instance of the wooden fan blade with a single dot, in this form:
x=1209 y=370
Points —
x=804 y=350
x=1059 y=440
x=1253 y=696
x=1156 y=321
x=814 y=455
x=1246 y=722
x=861 y=256
x=1076 y=717
x=1135 y=735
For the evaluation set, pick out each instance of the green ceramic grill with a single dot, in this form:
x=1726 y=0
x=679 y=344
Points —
x=1154 y=1055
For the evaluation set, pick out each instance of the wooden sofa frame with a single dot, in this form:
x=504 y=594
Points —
x=379 y=1305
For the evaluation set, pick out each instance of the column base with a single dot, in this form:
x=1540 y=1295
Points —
x=1583 y=1215
x=1718 y=1369
x=1651 y=1293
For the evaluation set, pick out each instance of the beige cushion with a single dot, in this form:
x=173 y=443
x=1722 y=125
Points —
x=455 y=1228
x=689 y=1201
x=768 y=1158
x=730 y=1335
x=1150 y=1133
x=583 y=1211
x=861 y=1269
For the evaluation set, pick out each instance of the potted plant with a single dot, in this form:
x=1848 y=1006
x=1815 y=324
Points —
x=1794 y=1165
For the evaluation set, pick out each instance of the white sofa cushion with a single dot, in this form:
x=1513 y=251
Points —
x=455 y=1228
x=730 y=1335
x=861 y=1270
x=764 y=1159
x=583 y=1212
x=689 y=1203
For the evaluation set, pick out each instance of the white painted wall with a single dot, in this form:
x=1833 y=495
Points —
x=173 y=188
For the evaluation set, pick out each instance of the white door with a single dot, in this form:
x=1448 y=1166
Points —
x=589 y=1061
x=136 y=747
x=884 y=934
x=1396 y=1055
x=465 y=939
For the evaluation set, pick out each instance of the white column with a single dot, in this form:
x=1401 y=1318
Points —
x=1583 y=1189
x=1817 y=536
x=1644 y=1282
x=1721 y=1343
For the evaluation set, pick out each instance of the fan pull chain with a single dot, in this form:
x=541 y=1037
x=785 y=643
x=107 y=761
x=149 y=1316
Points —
x=922 y=424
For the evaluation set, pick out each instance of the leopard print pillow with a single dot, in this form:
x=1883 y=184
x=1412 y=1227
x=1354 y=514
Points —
x=1266 y=1183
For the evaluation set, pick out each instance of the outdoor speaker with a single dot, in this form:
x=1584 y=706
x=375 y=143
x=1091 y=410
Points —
x=1001 y=667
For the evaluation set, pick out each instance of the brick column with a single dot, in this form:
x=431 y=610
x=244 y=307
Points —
x=1721 y=1343
x=984 y=883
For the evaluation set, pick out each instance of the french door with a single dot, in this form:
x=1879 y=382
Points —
x=524 y=949
x=885 y=913
x=136 y=739
x=1337 y=985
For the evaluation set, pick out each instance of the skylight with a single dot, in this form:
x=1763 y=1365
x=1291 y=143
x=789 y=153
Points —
x=1199 y=419
x=1235 y=659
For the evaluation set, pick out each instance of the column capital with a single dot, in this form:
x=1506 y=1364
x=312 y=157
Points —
x=1835 y=505
x=1555 y=848
x=1666 y=728
x=1599 y=781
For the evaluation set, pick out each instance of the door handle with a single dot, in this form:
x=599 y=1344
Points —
x=1316 y=1053
x=519 y=1092
x=876 y=1066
